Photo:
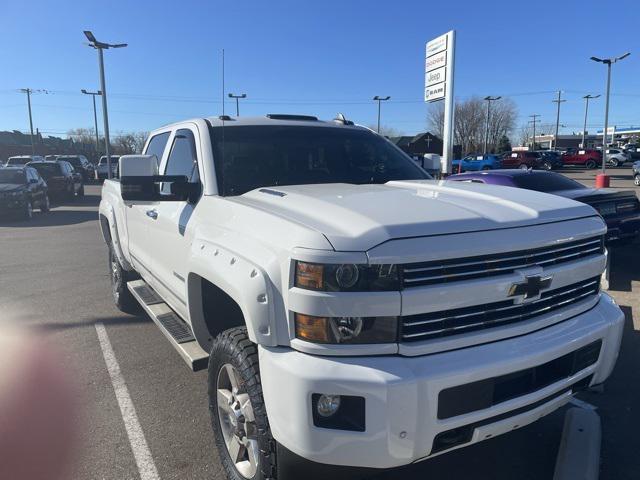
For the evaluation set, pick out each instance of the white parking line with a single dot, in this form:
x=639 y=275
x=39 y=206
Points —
x=144 y=460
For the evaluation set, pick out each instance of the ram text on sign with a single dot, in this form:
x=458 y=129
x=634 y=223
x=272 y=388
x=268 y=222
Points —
x=434 y=92
x=436 y=61
x=437 y=45
x=435 y=76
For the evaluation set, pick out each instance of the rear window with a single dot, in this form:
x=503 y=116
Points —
x=532 y=155
x=75 y=161
x=545 y=182
x=18 y=160
x=47 y=170
x=12 y=176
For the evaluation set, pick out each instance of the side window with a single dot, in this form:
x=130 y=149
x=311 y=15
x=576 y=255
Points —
x=30 y=175
x=182 y=159
x=157 y=145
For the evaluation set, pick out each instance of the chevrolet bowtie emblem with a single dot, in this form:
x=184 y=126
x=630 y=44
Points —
x=531 y=287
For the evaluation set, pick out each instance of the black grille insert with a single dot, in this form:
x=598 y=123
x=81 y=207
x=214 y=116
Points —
x=426 y=326
x=457 y=269
x=486 y=393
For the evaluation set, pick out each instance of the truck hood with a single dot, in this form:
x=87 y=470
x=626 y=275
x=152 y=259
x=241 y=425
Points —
x=359 y=217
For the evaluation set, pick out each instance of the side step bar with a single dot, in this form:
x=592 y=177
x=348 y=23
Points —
x=177 y=331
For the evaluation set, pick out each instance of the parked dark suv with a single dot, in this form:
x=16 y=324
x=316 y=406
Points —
x=21 y=190
x=62 y=179
x=80 y=165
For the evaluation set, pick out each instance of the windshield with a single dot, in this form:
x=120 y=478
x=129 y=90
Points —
x=47 y=170
x=18 y=160
x=114 y=160
x=75 y=161
x=250 y=157
x=545 y=182
x=12 y=176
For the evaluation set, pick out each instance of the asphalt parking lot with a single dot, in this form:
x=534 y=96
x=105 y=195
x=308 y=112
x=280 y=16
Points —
x=54 y=278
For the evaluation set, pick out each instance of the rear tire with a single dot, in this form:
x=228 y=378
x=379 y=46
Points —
x=122 y=297
x=81 y=192
x=523 y=166
x=547 y=166
x=45 y=206
x=238 y=414
x=590 y=164
x=486 y=167
x=636 y=180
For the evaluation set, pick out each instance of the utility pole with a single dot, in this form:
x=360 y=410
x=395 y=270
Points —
x=608 y=62
x=586 y=111
x=380 y=100
x=489 y=99
x=95 y=115
x=100 y=46
x=558 y=101
x=30 y=91
x=238 y=97
x=534 y=121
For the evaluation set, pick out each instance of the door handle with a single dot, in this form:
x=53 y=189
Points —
x=152 y=214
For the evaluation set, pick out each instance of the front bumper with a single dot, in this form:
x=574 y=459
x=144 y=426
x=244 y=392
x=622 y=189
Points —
x=11 y=206
x=401 y=393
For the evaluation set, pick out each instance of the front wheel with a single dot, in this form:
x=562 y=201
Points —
x=238 y=414
x=45 y=205
x=486 y=167
x=547 y=166
x=524 y=166
x=636 y=180
x=27 y=213
x=81 y=191
x=591 y=164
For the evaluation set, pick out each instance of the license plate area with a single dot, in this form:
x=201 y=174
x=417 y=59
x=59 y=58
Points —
x=607 y=209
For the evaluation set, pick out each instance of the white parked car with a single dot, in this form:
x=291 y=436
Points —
x=102 y=169
x=351 y=311
x=617 y=157
x=22 y=160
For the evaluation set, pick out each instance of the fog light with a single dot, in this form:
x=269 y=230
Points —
x=328 y=405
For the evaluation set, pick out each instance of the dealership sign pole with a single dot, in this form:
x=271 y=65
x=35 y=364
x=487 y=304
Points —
x=440 y=58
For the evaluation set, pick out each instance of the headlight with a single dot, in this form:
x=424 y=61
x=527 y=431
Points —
x=346 y=277
x=346 y=330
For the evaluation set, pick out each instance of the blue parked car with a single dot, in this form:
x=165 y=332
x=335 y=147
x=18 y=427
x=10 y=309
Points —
x=474 y=163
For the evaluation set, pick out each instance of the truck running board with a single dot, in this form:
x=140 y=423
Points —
x=177 y=331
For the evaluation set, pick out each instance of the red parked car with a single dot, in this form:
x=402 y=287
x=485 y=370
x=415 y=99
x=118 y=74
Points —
x=523 y=160
x=585 y=158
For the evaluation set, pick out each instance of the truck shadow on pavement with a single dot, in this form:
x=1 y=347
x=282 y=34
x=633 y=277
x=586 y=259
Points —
x=90 y=322
x=625 y=267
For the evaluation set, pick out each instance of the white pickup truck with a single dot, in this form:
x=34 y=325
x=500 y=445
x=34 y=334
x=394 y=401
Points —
x=352 y=312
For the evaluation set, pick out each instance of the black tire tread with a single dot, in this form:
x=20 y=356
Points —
x=126 y=301
x=234 y=345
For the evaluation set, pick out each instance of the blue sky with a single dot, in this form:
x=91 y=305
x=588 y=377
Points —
x=316 y=57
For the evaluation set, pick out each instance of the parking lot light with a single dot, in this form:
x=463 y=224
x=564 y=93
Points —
x=100 y=46
x=489 y=99
x=379 y=100
x=586 y=110
x=95 y=115
x=608 y=62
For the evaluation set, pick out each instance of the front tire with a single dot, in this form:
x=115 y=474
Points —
x=523 y=166
x=81 y=192
x=547 y=166
x=45 y=206
x=239 y=420
x=122 y=297
x=590 y=164
x=27 y=214
x=636 y=180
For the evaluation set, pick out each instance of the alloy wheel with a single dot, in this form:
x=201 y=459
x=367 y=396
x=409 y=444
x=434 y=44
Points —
x=237 y=421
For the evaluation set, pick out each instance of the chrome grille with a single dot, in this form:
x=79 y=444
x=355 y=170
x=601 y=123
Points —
x=453 y=270
x=445 y=323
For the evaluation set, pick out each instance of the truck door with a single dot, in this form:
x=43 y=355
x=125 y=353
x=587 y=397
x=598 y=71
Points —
x=140 y=217
x=170 y=230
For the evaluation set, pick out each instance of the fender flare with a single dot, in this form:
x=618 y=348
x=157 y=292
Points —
x=111 y=235
x=245 y=282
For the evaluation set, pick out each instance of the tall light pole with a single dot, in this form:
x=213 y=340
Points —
x=238 y=97
x=100 y=46
x=608 y=62
x=380 y=100
x=489 y=99
x=586 y=111
x=95 y=115
x=557 y=101
x=534 y=121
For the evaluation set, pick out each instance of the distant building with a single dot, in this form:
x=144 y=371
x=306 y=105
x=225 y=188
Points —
x=418 y=145
x=18 y=143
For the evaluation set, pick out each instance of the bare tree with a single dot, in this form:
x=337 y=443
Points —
x=471 y=121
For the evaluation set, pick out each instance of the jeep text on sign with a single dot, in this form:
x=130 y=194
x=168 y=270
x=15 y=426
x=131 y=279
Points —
x=435 y=76
x=436 y=61
x=434 y=92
